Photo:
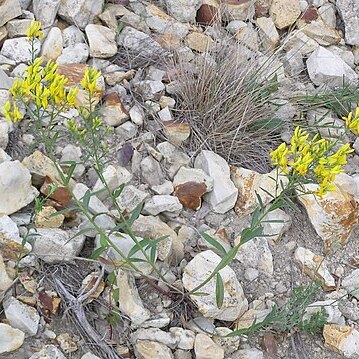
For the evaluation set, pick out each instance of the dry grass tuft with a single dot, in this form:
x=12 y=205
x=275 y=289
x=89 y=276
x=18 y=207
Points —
x=227 y=100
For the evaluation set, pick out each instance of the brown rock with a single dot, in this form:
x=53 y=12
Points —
x=208 y=13
x=310 y=14
x=61 y=194
x=190 y=194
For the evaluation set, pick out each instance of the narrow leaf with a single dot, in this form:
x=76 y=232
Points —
x=213 y=242
x=219 y=290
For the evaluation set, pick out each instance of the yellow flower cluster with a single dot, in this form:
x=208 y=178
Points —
x=89 y=80
x=352 y=121
x=34 y=31
x=42 y=86
x=311 y=159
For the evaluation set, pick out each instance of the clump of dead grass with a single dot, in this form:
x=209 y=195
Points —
x=228 y=101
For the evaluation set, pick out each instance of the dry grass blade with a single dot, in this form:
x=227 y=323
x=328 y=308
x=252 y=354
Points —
x=226 y=98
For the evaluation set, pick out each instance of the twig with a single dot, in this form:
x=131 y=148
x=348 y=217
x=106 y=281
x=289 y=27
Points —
x=77 y=308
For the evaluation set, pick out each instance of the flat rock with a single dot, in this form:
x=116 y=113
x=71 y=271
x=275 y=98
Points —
x=268 y=33
x=131 y=197
x=322 y=33
x=156 y=335
x=223 y=197
x=197 y=271
x=80 y=12
x=199 y=42
x=146 y=349
x=101 y=41
x=21 y=316
x=342 y=339
x=77 y=53
x=138 y=41
x=206 y=348
x=54 y=245
x=324 y=67
x=11 y=338
x=9 y=9
x=162 y=203
x=276 y=229
x=48 y=352
x=183 y=11
x=250 y=353
x=16 y=190
x=349 y=12
x=130 y=302
x=315 y=267
x=333 y=216
x=151 y=171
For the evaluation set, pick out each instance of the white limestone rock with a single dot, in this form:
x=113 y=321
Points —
x=9 y=9
x=48 y=352
x=52 y=46
x=351 y=283
x=184 y=11
x=45 y=11
x=324 y=67
x=55 y=245
x=80 y=12
x=21 y=316
x=75 y=54
x=16 y=190
x=223 y=197
x=205 y=348
x=130 y=302
x=255 y=254
x=197 y=271
x=19 y=49
x=349 y=12
x=162 y=203
x=11 y=338
x=101 y=40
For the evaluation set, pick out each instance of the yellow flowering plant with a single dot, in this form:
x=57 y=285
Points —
x=42 y=95
x=312 y=160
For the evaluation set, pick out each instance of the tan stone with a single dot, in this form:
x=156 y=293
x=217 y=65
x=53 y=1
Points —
x=342 y=339
x=146 y=349
x=206 y=348
x=322 y=33
x=11 y=338
x=113 y=111
x=5 y=280
x=334 y=216
x=46 y=218
x=9 y=9
x=249 y=183
x=284 y=12
x=52 y=46
x=176 y=131
x=268 y=33
x=199 y=42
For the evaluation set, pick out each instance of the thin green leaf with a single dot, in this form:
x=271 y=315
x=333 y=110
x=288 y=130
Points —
x=219 y=290
x=97 y=252
x=117 y=192
x=137 y=246
x=135 y=214
x=228 y=258
x=70 y=172
x=213 y=242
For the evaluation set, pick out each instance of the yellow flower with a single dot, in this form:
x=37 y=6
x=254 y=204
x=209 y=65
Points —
x=71 y=97
x=90 y=78
x=352 y=122
x=34 y=31
x=279 y=157
x=12 y=112
x=301 y=165
x=298 y=139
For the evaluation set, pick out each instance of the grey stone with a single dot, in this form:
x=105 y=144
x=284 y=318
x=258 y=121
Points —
x=349 y=12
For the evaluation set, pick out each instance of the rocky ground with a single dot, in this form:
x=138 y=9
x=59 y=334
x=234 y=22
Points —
x=314 y=46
